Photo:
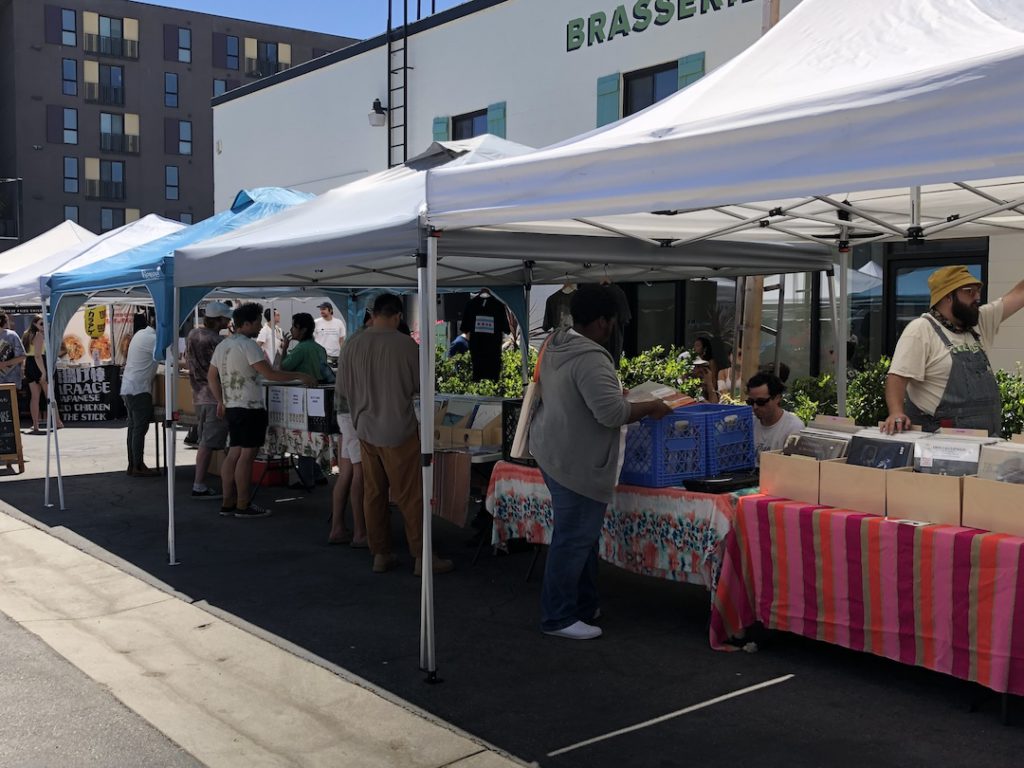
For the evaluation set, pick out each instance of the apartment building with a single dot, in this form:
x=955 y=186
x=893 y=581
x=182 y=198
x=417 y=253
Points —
x=105 y=109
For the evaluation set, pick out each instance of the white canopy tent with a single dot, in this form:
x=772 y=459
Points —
x=371 y=233
x=64 y=235
x=850 y=122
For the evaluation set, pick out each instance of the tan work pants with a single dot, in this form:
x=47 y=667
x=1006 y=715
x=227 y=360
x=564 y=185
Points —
x=397 y=468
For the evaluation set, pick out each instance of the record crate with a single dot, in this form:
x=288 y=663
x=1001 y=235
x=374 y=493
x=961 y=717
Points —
x=728 y=437
x=510 y=408
x=666 y=451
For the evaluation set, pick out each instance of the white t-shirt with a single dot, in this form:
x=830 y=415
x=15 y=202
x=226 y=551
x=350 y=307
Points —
x=234 y=359
x=140 y=367
x=270 y=350
x=773 y=438
x=328 y=333
x=922 y=357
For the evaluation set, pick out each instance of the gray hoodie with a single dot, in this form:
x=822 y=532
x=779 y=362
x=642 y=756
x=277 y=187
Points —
x=575 y=435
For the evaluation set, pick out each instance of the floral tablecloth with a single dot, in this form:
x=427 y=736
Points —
x=299 y=442
x=669 y=533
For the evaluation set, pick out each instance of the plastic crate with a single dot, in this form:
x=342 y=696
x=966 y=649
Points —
x=728 y=437
x=509 y=421
x=664 y=452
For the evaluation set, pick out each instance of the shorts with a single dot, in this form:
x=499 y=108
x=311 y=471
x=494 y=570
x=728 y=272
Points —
x=32 y=373
x=212 y=430
x=247 y=427
x=348 y=440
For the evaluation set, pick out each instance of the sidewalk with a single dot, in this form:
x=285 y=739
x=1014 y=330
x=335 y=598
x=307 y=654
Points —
x=225 y=695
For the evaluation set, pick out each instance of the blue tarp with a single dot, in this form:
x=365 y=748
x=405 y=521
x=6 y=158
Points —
x=151 y=265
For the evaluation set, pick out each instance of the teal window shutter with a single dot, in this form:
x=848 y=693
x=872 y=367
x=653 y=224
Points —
x=442 y=129
x=609 y=104
x=496 y=119
x=691 y=69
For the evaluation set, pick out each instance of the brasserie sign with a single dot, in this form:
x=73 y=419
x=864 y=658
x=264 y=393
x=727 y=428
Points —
x=601 y=27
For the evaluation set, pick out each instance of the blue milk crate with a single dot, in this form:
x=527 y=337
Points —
x=728 y=436
x=662 y=452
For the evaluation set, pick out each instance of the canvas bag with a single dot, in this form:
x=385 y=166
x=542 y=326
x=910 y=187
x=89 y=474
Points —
x=531 y=399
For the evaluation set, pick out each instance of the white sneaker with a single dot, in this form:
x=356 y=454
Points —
x=577 y=631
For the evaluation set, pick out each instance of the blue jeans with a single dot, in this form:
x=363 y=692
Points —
x=569 y=593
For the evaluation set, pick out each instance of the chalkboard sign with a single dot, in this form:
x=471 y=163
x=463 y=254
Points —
x=10 y=428
x=89 y=394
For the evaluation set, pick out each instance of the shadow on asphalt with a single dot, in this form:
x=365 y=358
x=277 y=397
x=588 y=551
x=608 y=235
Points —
x=508 y=684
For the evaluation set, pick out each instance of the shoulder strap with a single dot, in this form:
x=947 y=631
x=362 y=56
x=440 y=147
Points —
x=938 y=330
x=540 y=356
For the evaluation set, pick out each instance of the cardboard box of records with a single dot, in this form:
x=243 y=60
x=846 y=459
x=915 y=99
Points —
x=795 y=471
x=993 y=500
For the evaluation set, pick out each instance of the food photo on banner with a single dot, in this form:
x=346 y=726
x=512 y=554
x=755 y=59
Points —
x=88 y=376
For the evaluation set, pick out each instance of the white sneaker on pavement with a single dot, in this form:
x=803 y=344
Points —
x=578 y=631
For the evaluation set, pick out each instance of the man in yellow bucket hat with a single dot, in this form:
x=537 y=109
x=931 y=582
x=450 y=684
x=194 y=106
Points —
x=940 y=374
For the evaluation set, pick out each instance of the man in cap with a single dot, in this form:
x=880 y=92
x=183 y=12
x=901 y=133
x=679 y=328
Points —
x=329 y=332
x=212 y=429
x=940 y=374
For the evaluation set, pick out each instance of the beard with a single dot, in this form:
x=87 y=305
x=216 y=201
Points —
x=966 y=314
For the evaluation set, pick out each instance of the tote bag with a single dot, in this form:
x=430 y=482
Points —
x=531 y=399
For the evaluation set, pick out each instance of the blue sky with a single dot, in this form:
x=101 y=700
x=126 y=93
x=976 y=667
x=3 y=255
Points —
x=352 y=18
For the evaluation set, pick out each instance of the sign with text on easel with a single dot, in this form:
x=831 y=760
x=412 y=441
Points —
x=10 y=428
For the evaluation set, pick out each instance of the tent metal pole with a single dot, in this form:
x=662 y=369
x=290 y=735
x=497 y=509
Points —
x=844 y=321
x=170 y=390
x=736 y=347
x=426 y=273
x=524 y=333
x=778 y=322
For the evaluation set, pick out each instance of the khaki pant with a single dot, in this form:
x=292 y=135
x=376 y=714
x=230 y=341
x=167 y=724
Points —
x=397 y=467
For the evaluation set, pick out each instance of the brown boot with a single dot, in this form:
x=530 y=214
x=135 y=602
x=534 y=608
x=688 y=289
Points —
x=438 y=565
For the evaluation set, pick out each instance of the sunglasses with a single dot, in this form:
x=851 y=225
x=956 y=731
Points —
x=760 y=402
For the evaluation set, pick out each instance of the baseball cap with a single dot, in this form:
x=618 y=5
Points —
x=326 y=305
x=217 y=309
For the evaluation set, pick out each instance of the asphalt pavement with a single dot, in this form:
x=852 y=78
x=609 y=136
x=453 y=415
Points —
x=650 y=692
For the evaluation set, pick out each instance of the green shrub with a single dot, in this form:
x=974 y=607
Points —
x=808 y=396
x=661 y=366
x=865 y=394
x=1011 y=388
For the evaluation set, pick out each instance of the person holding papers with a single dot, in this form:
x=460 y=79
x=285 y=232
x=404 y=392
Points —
x=576 y=436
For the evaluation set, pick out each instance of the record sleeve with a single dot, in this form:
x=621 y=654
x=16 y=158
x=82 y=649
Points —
x=880 y=454
x=1002 y=462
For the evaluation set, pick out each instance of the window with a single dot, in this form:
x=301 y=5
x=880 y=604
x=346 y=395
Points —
x=71 y=175
x=111 y=125
x=70 y=126
x=470 y=125
x=219 y=87
x=111 y=28
x=69 y=77
x=68 y=27
x=111 y=218
x=71 y=213
x=185 y=218
x=184 y=45
x=170 y=182
x=184 y=137
x=170 y=89
x=231 y=60
x=111 y=84
x=647 y=86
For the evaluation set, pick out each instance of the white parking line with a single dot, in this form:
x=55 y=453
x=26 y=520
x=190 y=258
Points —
x=670 y=715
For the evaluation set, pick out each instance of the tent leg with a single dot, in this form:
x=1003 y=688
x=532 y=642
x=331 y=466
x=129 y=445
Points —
x=170 y=444
x=841 y=329
x=734 y=373
x=427 y=285
x=524 y=336
x=780 y=317
x=51 y=411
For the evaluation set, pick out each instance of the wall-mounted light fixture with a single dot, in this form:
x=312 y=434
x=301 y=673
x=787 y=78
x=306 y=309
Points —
x=378 y=113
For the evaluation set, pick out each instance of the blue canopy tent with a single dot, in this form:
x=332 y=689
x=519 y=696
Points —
x=149 y=268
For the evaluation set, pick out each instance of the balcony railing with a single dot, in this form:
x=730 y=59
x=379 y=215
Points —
x=118 y=47
x=119 y=142
x=263 y=67
x=104 y=94
x=104 y=190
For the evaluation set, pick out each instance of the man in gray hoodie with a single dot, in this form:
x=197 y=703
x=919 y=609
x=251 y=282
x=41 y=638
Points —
x=577 y=438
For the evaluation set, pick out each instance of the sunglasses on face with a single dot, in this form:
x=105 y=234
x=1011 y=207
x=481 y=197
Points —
x=760 y=402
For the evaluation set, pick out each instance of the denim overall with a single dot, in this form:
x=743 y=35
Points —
x=971 y=399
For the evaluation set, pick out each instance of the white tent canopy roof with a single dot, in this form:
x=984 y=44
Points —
x=64 y=235
x=23 y=286
x=367 y=234
x=841 y=100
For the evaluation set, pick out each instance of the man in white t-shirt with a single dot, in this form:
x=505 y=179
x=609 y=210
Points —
x=235 y=369
x=940 y=374
x=137 y=392
x=271 y=341
x=329 y=332
x=772 y=424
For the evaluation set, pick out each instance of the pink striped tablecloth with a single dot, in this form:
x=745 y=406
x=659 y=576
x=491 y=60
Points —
x=669 y=533
x=946 y=598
